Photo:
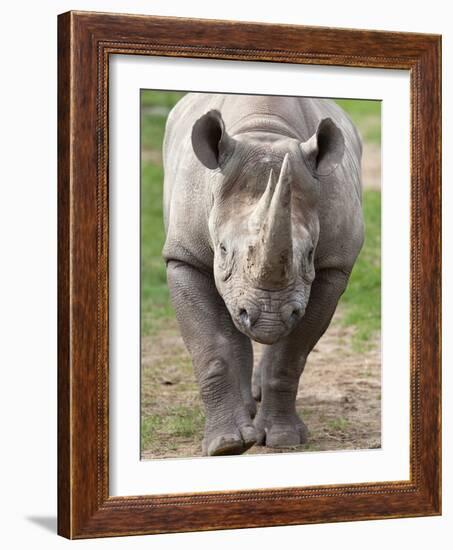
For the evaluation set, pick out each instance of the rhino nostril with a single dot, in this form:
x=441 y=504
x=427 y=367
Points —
x=291 y=313
x=294 y=314
x=248 y=317
x=244 y=317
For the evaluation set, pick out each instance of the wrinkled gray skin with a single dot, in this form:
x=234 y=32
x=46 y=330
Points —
x=263 y=218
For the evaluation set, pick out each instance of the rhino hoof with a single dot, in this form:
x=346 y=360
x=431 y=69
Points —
x=285 y=439
x=292 y=433
x=231 y=444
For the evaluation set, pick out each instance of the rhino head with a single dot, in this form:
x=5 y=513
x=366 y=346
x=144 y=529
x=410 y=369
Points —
x=263 y=219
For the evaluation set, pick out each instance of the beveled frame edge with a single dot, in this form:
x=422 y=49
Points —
x=85 y=42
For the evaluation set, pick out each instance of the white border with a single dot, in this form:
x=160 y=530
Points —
x=129 y=475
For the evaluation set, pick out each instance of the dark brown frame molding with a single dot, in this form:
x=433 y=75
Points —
x=85 y=42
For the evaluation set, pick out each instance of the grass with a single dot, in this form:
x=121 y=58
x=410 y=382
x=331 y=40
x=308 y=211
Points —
x=153 y=127
x=366 y=115
x=171 y=427
x=339 y=424
x=157 y=98
x=361 y=301
x=362 y=298
x=155 y=106
x=154 y=291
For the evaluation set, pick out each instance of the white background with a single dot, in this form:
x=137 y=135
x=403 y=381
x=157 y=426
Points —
x=129 y=475
x=28 y=275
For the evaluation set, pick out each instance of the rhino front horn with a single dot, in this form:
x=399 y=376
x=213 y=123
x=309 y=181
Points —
x=273 y=254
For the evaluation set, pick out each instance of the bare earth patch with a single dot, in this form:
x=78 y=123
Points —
x=339 y=396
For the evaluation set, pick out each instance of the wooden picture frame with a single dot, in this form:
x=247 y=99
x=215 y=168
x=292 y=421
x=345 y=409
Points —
x=85 y=42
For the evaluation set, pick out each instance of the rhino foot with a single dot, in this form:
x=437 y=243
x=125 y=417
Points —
x=231 y=440
x=274 y=431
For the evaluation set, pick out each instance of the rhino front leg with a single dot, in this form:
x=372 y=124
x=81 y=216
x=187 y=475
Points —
x=277 y=422
x=221 y=356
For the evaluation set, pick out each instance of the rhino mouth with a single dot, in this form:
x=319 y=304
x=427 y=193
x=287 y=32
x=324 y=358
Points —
x=268 y=335
x=270 y=326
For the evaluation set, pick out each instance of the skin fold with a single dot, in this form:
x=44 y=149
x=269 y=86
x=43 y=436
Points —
x=263 y=221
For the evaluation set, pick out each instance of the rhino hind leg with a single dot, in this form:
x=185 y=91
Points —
x=244 y=358
x=277 y=422
x=256 y=381
x=222 y=360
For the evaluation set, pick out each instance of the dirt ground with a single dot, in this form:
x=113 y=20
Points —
x=339 y=396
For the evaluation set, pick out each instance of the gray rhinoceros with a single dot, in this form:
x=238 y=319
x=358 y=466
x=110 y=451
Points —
x=263 y=218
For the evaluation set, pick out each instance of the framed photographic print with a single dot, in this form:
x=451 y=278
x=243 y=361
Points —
x=249 y=275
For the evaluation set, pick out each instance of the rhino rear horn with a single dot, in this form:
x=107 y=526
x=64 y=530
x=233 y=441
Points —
x=210 y=141
x=325 y=149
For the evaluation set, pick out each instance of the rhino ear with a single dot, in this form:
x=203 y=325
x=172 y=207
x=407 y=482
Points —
x=210 y=141
x=325 y=149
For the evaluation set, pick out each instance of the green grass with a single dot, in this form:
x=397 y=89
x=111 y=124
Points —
x=361 y=301
x=156 y=98
x=362 y=298
x=155 y=300
x=155 y=107
x=339 y=424
x=366 y=115
x=175 y=423
x=360 y=109
x=153 y=127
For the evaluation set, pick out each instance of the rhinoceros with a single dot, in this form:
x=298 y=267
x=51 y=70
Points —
x=263 y=223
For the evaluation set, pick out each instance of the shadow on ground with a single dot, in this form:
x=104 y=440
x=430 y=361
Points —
x=49 y=523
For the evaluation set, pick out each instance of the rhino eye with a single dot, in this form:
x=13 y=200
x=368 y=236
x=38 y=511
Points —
x=310 y=255
x=223 y=249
